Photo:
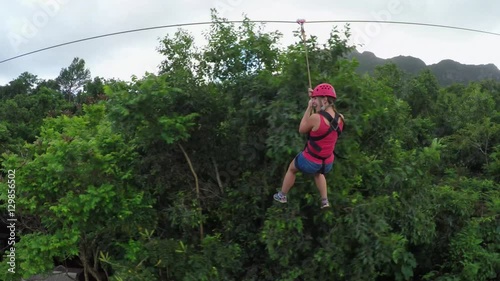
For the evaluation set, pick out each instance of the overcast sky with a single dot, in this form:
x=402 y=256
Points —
x=27 y=25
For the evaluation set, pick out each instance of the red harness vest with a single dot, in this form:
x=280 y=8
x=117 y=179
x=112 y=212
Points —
x=315 y=144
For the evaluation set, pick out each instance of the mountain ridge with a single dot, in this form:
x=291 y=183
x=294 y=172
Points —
x=447 y=71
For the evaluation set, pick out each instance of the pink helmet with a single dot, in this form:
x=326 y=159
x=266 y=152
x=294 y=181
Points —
x=324 y=90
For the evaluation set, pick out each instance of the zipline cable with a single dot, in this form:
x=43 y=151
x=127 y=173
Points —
x=239 y=21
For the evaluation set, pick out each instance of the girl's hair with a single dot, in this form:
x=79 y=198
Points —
x=331 y=102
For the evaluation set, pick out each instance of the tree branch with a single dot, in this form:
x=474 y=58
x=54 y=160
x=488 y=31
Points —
x=217 y=175
x=196 y=186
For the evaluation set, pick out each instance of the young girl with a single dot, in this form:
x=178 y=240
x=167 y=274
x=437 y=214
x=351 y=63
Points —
x=323 y=129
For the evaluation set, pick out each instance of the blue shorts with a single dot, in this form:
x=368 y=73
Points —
x=308 y=167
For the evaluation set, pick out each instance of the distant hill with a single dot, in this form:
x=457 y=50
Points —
x=446 y=71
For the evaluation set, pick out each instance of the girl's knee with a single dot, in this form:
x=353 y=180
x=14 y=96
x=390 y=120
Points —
x=292 y=168
x=319 y=178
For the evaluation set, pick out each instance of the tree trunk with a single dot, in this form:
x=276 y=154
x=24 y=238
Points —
x=87 y=267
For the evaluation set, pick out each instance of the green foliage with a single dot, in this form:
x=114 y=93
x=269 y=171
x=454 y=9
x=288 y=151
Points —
x=170 y=176
x=140 y=110
x=22 y=114
x=150 y=258
x=75 y=181
x=72 y=79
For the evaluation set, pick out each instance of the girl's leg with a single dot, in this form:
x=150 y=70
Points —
x=289 y=178
x=320 y=181
x=321 y=184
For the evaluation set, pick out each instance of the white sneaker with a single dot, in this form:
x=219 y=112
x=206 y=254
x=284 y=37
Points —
x=280 y=197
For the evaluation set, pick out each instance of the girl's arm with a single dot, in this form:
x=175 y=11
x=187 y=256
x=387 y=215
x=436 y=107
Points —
x=308 y=121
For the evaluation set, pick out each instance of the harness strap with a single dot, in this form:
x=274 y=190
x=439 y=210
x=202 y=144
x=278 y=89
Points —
x=322 y=169
x=334 y=126
x=311 y=140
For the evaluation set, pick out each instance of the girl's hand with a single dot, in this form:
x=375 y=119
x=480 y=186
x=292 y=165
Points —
x=310 y=91
x=309 y=104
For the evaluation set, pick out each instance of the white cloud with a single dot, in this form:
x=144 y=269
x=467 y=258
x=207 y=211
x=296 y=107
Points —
x=134 y=53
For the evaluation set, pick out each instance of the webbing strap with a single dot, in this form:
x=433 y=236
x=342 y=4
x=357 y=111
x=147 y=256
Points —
x=334 y=126
x=322 y=169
